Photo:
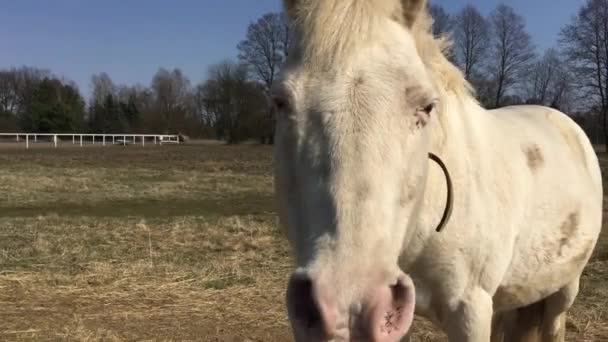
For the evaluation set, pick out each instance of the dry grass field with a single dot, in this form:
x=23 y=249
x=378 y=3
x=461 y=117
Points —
x=167 y=243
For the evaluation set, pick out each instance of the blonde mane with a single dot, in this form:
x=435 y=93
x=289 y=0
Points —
x=333 y=28
x=433 y=51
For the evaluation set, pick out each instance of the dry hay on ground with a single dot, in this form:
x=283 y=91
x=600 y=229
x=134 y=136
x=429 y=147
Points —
x=165 y=244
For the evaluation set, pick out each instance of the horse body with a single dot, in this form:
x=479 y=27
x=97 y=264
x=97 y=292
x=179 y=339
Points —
x=365 y=96
x=528 y=213
x=562 y=197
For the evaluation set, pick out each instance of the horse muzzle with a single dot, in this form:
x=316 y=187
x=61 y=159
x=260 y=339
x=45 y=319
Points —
x=319 y=313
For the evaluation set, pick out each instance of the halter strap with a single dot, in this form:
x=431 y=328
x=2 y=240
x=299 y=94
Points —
x=447 y=212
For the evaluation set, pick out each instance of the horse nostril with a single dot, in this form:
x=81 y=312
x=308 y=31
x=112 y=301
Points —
x=391 y=310
x=301 y=303
x=399 y=292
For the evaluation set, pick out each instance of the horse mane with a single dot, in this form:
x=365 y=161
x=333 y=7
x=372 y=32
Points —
x=332 y=28
x=433 y=51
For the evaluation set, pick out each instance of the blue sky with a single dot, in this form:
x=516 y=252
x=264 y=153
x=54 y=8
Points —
x=131 y=39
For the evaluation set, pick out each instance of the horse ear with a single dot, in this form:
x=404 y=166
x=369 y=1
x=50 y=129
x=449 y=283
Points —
x=412 y=9
x=290 y=7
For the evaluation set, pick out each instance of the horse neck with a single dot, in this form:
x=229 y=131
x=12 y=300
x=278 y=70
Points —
x=452 y=136
x=456 y=128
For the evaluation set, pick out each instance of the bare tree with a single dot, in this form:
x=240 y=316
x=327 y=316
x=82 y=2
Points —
x=172 y=93
x=265 y=47
x=264 y=50
x=471 y=34
x=512 y=50
x=286 y=37
x=202 y=108
x=18 y=88
x=8 y=93
x=102 y=86
x=144 y=98
x=8 y=101
x=232 y=103
x=442 y=20
x=24 y=82
x=541 y=76
x=550 y=82
x=226 y=79
x=585 y=41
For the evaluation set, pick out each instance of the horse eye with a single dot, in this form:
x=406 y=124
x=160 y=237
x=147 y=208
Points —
x=280 y=103
x=428 y=109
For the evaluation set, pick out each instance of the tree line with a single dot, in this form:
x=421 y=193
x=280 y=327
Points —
x=495 y=53
x=232 y=104
x=498 y=57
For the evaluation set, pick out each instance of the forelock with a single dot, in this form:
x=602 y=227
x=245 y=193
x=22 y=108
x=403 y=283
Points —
x=330 y=30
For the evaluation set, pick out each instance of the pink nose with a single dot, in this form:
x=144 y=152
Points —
x=386 y=312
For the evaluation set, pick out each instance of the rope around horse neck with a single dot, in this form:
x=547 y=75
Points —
x=447 y=212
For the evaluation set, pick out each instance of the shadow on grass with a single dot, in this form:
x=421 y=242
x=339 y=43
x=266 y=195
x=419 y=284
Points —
x=246 y=204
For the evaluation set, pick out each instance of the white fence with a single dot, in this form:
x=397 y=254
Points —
x=102 y=139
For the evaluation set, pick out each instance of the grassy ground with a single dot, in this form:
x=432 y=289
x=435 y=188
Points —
x=164 y=243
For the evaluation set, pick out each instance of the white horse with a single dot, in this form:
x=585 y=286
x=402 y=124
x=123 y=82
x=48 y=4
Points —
x=366 y=95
